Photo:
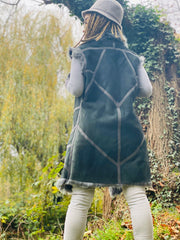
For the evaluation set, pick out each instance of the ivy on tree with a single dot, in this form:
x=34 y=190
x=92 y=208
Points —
x=77 y=6
x=147 y=35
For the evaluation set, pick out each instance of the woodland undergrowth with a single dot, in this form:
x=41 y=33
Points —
x=35 y=122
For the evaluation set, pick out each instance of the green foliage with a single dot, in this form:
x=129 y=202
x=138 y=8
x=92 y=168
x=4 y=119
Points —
x=97 y=205
x=167 y=187
x=178 y=64
x=142 y=107
x=149 y=36
x=77 y=6
x=173 y=122
x=167 y=184
x=165 y=221
x=34 y=117
x=113 y=230
x=37 y=212
x=35 y=120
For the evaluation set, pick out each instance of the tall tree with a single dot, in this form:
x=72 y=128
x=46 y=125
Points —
x=76 y=6
x=160 y=116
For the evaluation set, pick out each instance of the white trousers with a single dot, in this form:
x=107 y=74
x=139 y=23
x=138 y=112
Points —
x=81 y=200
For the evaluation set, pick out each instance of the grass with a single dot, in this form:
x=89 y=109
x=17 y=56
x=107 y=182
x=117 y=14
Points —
x=166 y=222
x=166 y=227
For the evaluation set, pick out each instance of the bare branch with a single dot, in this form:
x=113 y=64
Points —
x=65 y=2
x=12 y=9
x=178 y=4
x=40 y=2
x=11 y=4
x=47 y=1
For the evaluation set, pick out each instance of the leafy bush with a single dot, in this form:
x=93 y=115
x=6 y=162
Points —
x=152 y=38
x=35 y=120
x=165 y=221
x=147 y=34
x=113 y=230
x=41 y=208
x=166 y=189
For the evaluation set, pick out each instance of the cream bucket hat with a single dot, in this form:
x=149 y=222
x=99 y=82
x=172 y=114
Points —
x=111 y=9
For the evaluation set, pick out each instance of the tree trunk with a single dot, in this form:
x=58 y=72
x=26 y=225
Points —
x=159 y=133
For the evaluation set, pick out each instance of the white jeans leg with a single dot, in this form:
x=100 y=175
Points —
x=76 y=216
x=140 y=212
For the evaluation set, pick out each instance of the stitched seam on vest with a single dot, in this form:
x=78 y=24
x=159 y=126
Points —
x=93 y=77
x=75 y=129
x=118 y=104
x=68 y=146
x=119 y=143
x=127 y=95
x=88 y=70
x=96 y=146
x=76 y=108
x=134 y=153
x=119 y=122
x=110 y=48
x=106 y=93
x=129 y=62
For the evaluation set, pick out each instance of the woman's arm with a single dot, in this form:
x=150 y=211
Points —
x=75 y=81
x=145 y=87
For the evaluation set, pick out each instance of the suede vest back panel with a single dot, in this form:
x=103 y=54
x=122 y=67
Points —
x=107 y=145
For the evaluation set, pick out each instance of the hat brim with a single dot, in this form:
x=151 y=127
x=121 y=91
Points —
x=83 y=13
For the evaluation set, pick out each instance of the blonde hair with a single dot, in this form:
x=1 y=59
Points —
x=97 y=25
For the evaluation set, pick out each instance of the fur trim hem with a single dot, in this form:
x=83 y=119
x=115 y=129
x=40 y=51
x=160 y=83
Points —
x=66 y=186
x=78 y=54
x=142 y=59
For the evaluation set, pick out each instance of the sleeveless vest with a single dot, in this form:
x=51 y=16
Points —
x=106 y=146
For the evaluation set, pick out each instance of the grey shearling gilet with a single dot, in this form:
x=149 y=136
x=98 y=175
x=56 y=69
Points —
x=106 y=146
